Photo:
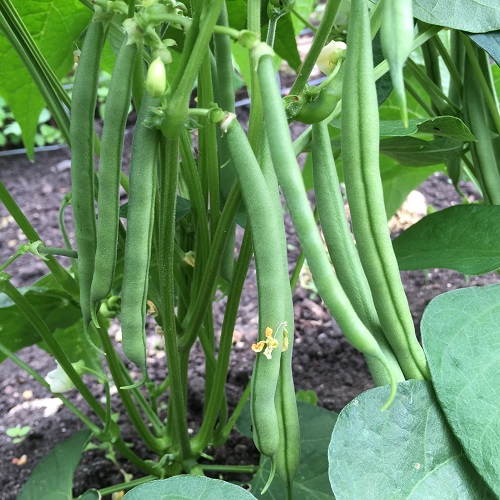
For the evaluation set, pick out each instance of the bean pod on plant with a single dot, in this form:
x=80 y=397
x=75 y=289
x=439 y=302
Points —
x=396 y=35
x=360 y=161
x=115 y=119
x=140 y=215
x=82 y=162
x=272 y=281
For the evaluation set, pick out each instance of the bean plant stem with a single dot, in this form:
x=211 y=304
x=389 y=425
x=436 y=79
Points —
x=167 y=195
x=319 y=41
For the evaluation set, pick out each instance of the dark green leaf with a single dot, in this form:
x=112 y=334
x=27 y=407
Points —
x=414 y=152
x=52 y=478
x=407 y=451
x=311 y=479
x=477 y=16
x=490 y=42
x=54 y=306
x=188 y=488
x=90 y=495
x=465 y=238
x=55 y=27
x=460 y=332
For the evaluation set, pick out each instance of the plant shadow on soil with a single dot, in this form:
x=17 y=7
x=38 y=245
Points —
x=323 y=359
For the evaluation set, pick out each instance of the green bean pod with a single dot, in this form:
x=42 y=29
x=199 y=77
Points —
x=343 y=253
x=290 y=179
x=140 y=216
x=271 y=279
x=288 y=453
x=321 y=105
x=82 y=162
x=396 y=36
x=360 y=160
x=108 y=204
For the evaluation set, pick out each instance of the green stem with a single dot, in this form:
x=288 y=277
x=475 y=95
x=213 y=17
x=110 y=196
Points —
x=189 y=67
x=414 y=92
x=304 y=20
x=234 y=294
x=125 y=486
x=483 y=83
x=271 y=30
x=63 y=252
x=66 y=201
x=456 y=79
x=439 y=99
x=167 y=194
x=319 y=41
x=156 y=444
x=194 y=318
x=224 y=434
x=236 y=469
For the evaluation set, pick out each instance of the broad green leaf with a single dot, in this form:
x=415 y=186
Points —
x=55 y=26
x=52 y=478
x=414 y=152
x=490 y=42
x=54 y=306
x=465 y=238
x=477 y=16
x=407 y=451
x=188 y=488
x=398 y=182
x=461 y=337
x=311 y=479
x=442 y=126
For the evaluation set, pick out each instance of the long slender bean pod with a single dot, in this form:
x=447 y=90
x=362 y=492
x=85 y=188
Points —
x=82 y=162
x=396 y=35
x=271 y=282
x=115 y=119
x=343 y=253
x=285 y=401
x=360 y=160
x=290 y=179
x=140 y=217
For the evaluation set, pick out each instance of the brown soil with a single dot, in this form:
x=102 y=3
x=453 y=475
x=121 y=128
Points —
x=323 y=361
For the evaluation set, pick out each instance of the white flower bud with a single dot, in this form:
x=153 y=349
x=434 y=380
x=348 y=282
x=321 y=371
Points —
x=329 y=56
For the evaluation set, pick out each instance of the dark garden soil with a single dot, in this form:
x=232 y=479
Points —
x=323 y=360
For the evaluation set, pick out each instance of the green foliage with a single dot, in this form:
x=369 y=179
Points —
x=53 y=475
x=188 y=488
x=465 y=238
x=460 y=336
x=407 y=451
x=56 y=27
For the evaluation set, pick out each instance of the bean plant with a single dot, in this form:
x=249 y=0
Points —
x=410 y=89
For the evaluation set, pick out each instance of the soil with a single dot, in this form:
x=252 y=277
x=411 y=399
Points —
x=324 y=361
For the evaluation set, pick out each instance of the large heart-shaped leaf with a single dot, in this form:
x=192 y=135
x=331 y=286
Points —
x=461 y=336
x=188 y=488
x=465 y=238
x=407 y=451
x=52 y=478
x=478 y=16
x=55 y=26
